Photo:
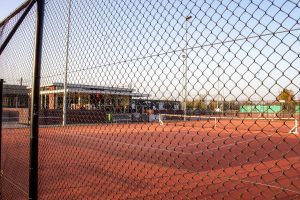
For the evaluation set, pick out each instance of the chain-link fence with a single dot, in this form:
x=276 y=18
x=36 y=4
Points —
x=155 y=100
x=16 y=61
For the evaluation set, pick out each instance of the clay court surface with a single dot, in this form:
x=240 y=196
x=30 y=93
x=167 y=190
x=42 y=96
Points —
x=183 y=160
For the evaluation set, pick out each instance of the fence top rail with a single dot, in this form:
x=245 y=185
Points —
x=15 y=12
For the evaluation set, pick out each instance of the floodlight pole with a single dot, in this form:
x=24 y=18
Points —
x=65 y=104
x=218 y=88
x=220 y=93
x=222 y=79
x=185 y=64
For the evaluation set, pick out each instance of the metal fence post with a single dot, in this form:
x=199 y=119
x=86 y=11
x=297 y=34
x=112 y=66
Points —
x=35 y=96
x=1 y=108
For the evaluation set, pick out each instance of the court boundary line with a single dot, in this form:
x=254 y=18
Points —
x=170 y=151
x=15 y=185
x=263 y=184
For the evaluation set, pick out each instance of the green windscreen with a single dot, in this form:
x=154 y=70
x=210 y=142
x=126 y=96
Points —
x=297 y=109
x=260 y=109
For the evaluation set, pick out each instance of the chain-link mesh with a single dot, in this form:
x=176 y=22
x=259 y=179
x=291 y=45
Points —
x=6 y=26
x=161 y=100
x=16 y=63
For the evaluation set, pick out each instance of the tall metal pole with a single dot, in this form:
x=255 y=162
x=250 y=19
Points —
x=222 y=79
x=218 y=94
x=65 y=103
x=185 y=67
x=35 y=106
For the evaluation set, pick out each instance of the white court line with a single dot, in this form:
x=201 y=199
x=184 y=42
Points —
x=154 y=148
x=229 y=145
x=216 y=140
x=14 y=184
x=170 y=151
x=196 y=143
x=263 y=184
x=192 y=144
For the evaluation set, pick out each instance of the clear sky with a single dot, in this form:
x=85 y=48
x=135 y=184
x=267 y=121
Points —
x=8 y=6
x=236 y=49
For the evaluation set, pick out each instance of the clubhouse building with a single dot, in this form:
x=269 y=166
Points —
x=15 y=96
x=88 y=97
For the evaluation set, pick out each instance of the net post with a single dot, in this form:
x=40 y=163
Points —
x=215 y=122
x=294 y=130
x=160 y=120
x=296 y=124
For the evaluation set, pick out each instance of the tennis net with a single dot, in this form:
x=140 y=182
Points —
x=277 y=124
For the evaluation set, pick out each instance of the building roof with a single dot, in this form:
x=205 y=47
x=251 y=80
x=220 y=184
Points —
x=91 y=89
x=15 y=89
x=88 y=87
x=158 y=100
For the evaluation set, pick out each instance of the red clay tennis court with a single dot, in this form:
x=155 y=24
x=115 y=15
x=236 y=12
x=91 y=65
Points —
x=188 y=159
x=150 y=100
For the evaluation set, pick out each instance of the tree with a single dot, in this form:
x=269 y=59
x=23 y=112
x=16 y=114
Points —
x=286 y=95
x=191 y=104
x=202 y=102
x=213 y=105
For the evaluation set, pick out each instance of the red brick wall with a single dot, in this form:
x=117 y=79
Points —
x=51 y=101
